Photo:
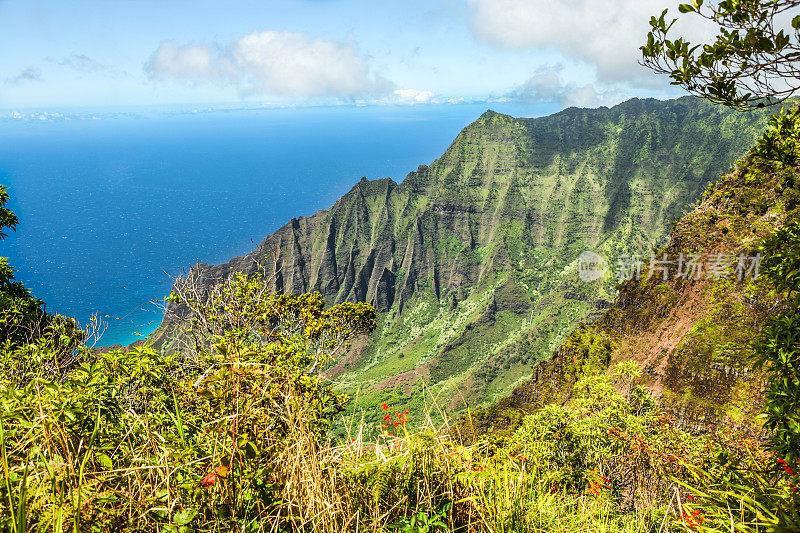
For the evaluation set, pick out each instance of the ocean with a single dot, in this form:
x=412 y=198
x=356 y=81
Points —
x=114 y=204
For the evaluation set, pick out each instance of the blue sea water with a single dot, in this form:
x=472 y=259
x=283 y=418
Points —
x=113 y=205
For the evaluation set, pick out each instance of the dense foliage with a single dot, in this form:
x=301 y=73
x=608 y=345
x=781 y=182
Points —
x=215 y=436
x=139 y=442
x=778 y=346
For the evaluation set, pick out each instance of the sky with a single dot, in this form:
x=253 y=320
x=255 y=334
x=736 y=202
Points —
x=101 y=53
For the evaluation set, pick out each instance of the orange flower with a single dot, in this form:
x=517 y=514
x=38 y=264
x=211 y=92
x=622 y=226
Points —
x=385 y=406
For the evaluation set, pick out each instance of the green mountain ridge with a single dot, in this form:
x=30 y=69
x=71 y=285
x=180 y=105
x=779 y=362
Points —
x=692 y=337
x=472 y=260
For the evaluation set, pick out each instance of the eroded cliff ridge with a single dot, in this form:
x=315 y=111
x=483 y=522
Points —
x=472 y=260
x=691 y=334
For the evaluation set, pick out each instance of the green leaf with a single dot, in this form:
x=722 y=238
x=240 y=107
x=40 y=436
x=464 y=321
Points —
x=686 y=8
x=105 y=461
x=184 y=517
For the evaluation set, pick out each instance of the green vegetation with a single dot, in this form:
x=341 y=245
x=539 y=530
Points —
x=752 y=61
x=230 y=436
x=777 y=348
x=727 y=348
x=215 y=438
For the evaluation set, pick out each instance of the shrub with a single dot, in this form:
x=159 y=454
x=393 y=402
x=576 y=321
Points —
x=222 y=435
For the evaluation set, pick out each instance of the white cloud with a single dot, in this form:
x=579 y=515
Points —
x=28 y=74
x=413 y=96
x=195 y=63
x=603 y=33
x=546 y=85
x=272 y=63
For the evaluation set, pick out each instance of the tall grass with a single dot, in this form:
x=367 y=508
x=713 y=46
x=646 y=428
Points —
x=232 y=433
x=60 y=476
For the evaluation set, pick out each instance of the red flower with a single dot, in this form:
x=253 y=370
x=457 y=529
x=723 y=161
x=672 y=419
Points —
x=597 y=484
x=209 y=480
x=785 y=467
x=692 y=520
x=385 y=406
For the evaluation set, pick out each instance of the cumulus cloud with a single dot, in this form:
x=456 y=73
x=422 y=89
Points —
x=28 y=74
x=546 y=85
x=604 y=33
x=273 y=63
x=413 y=96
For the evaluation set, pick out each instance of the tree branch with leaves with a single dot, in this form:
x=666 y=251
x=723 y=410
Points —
x=752 y=62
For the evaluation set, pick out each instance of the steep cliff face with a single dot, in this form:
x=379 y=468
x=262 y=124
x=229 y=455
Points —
x=691 y=335
x=475 y=255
